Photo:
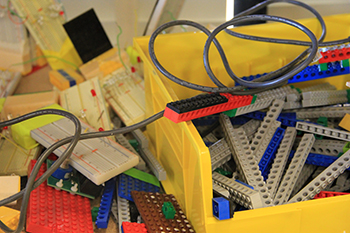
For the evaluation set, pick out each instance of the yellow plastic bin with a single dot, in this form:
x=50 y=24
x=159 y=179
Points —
x=180 y=149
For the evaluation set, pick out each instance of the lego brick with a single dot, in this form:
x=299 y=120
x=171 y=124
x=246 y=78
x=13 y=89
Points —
x=9 y=217
x=9 y=185
x=292 y=105
x=143 y=176
x=280 y=161
x=219 y=153
x=64 y=79
x=149 y=206
x=270 y=152
x=314 y=72
x=274 y=111
x=251 y=127
x=323 y=179
x=325 y=131
x=319 y=87
x=106 y=204
x=324 y=94
x=324 y=101
x=262 y=139
x=127 y=184
x=99 y=159
x=288 y=182
x=220 y=190
x=221 y=208
x=345 y=122
x=168 y=210
x=19 y=105
x=9 y=82
x=323 y=194
x=58 y=211
x=133 y=227
x=21 y=131
x=330 y=54
x=157 y=169
x=114 y=208
x=17 y=159
x=239 y=193
x=125 y=143
x=86 y=101
x=304 y=176
x=245 y=161
x=141 y=138
x=210 y=138
x=330 y=112
x=125 y=93
x=204 y=105
x=123 y=211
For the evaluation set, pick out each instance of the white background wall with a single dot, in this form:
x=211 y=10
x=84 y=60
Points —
x=132 y=15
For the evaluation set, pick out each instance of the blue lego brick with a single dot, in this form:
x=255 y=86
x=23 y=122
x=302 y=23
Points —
x=221 y=208
x=244 y=184
x=312 y=73
x=106 y=204
x=127 y=184
x=270 y=152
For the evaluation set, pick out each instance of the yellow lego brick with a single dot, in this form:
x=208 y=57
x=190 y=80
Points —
x=21 y=131
x=65 y=78
x=9 y=217
x=345 y=122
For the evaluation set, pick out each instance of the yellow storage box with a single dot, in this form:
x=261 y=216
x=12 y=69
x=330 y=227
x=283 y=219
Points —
x=182 y=152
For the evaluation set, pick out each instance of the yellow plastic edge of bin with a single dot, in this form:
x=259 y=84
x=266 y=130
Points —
x=21 y=131
x=180 y=149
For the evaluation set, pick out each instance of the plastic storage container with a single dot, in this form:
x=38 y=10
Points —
x=180 y=149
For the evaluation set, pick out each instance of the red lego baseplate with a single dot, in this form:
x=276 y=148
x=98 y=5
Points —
x=52 y=210
x=324 y=194
x=133 y=227
x=150 y=208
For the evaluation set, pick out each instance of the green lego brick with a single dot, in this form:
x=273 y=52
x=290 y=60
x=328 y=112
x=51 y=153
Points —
x=323 y=67
x=346 y=147
x=94 y=212
x=21 y=131
x=143 y=176
x=231 y=113
x=134 y=143
x=223 y=172
x=345 y=63
x=254 y=99
x=168 y=210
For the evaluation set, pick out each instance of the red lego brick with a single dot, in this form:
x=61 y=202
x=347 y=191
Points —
x=150 y=207
x=204 y=105
x=52 y=210
x=335 y=55
x=324 y=194
x=133 y=227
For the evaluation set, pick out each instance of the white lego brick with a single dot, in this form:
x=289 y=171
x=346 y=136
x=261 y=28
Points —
x=305 y=174
x=141 y=138
x=289 y=179
x=265 y=140
x=245 y=161
x=319 y=87
x=220 y=153
x=123 y=211
x=330 y=112
x=323 y=101
x=293 y=97
x=325 y=131
x=239 y=193
x=280 y=161
x=251 y=127
x=324 y=179
x=328 y=147
x=292 y=105
x=210 y=138
x=153 y=164
x=324 y=94
x=220 y=190
x=258 y=105
x=99 y=159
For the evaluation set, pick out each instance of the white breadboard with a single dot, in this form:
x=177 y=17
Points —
x=8 y=82
x=87 y=102
x=44 y=22
x=14 y=159
x=125 y=93
x=99 y=159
